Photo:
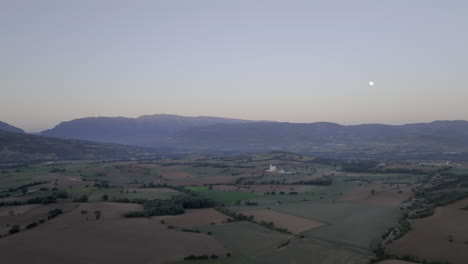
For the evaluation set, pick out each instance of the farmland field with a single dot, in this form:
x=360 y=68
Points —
x=229 y=209
x=440 y=237
x=291 y=223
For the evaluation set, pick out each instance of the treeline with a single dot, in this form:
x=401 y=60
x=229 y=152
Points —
x=202 y=257
x=426 y=202
x=281 y=193
x=234 y=217
x=373 y=167
x=322 y=181
x=49 y=199
x=51 y=215
x=25 y=186
x=174 y=206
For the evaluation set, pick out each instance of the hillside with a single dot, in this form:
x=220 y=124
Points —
x=422 y=140
x=149 y=130
x=17 y=148
x=7 y=127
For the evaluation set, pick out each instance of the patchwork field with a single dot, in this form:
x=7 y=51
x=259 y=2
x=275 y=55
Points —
x=353 y=224
x=98 y=241
x=226 y=209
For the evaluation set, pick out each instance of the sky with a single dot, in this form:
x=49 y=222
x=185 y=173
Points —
x=292 y=61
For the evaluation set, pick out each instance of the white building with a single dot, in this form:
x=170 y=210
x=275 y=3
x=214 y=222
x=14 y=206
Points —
x=272 y=168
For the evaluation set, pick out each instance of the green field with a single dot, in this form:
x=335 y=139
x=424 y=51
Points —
x=353 y=224
x=222 y=196
x=459 y=171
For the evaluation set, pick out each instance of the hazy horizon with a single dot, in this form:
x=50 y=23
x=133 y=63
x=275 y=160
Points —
x=291 y=61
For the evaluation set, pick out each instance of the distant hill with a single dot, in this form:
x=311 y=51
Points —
x=422 y=140
x=438 y=139
x=6 y=127
x=19 y=148
x=149 y=130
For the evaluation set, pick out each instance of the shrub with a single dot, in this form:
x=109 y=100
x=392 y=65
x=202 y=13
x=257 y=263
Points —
x=98 y=214
x=34 y=224
x=81 y=199
x=14 y=229
x=54 y=213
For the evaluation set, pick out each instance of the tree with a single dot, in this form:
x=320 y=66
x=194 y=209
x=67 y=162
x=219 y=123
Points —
x=82 y=199
x=98 y=214
x=14 y=229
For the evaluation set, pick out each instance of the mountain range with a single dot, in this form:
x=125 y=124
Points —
x=215 y=135
x=171 y=133
x=148 y=130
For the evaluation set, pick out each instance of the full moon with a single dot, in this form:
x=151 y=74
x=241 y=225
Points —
x=371 y=83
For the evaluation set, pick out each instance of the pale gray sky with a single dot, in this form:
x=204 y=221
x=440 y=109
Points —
x=297 y=61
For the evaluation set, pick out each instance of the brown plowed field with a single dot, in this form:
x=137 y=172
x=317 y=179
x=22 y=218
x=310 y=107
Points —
x=194 y=217
x=111 y=239
x=27 y=214
x=383 y=196
x=177 y=175
x=430 y=237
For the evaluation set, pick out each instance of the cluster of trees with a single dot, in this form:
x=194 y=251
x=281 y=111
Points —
x=283 y=244
x=25 y=186
x=5 y=195
x=97 y=213
x=49 y=199
x=153 y=185
x=201 y=257
x=173 y=206
x=441 y=193
x=14 y=229
x=281 y=193
x=372 y=166
x=57 y=170
x=322 y=181
x=81 y=199
x=102 y=185
x=42 y=200
x=190 y=230
x=52 y=214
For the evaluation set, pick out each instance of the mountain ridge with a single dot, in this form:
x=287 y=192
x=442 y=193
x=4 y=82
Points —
x=18 y=148
x=214 y=134
x=7 y=127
